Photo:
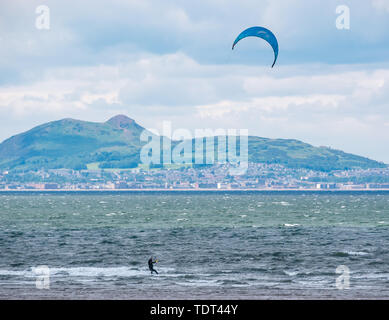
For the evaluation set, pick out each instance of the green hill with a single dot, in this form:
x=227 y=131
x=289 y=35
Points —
x=76 y=144
x=297 y=154
x=70 y=143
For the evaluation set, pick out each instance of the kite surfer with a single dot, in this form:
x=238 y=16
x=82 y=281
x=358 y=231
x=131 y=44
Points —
x=151 y=267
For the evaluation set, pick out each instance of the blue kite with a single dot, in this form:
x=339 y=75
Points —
x=263 y=33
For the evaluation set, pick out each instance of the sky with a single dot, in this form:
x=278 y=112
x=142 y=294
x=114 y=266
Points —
x=157 y=61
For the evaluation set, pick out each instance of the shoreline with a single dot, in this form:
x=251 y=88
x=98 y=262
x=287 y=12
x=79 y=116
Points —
x=207 y=293
x=213 y=190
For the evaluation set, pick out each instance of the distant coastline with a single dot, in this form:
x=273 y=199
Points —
x=155 y=190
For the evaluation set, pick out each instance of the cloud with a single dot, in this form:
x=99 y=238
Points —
x=381 y=5
x=90 y=32
x=272 y=104
x=176 y=86
x=172 y=60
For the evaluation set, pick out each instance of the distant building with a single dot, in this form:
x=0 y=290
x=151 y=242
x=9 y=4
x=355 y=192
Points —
x=208 y=185
x=121 y=185
x=326 y=186
x=378 y=186
x=109 y=185
x=51 y=186
x=37 y=186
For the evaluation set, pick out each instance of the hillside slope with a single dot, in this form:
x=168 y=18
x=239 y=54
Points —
x=70 y=143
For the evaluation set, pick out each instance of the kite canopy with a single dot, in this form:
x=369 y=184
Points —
x=263 y=33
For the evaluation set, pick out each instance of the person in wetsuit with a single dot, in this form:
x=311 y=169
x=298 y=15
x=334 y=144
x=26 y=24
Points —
x=151 y=267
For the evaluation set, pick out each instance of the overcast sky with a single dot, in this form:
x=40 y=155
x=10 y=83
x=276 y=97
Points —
x=172 y=61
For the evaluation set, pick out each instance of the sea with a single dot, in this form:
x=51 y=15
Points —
x=209 y=245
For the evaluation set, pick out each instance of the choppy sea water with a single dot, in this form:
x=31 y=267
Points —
x=210 y=245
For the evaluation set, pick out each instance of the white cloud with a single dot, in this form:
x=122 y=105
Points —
x=381 y=4
x=272 y=105
x=158 y=60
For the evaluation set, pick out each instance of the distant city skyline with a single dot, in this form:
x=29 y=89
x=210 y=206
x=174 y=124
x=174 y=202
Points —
x=161 y=61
